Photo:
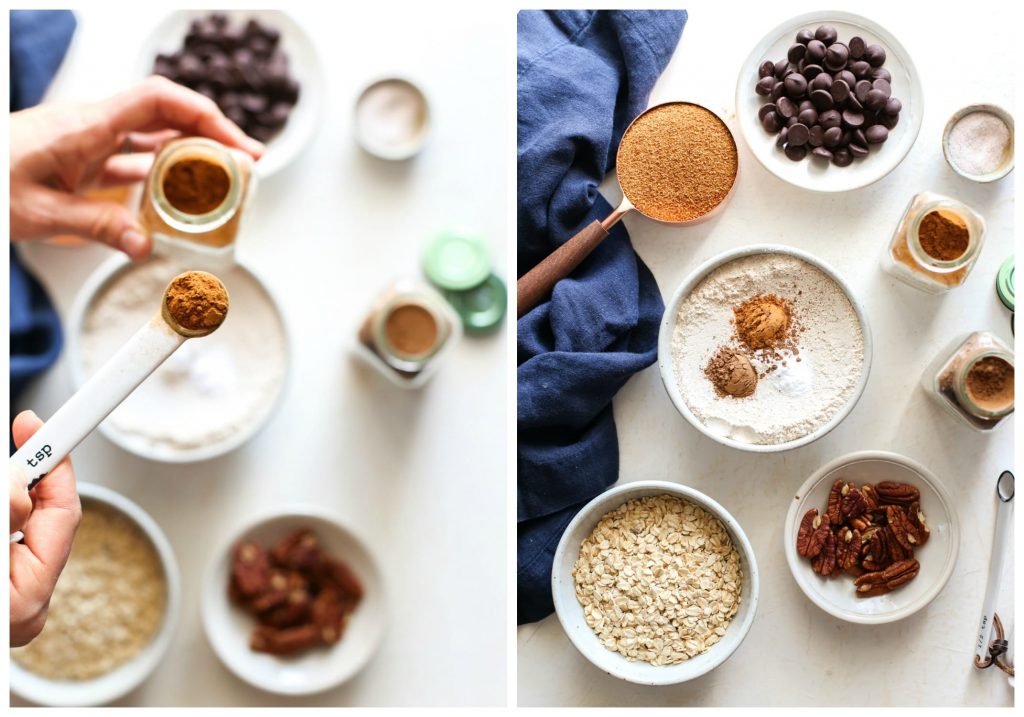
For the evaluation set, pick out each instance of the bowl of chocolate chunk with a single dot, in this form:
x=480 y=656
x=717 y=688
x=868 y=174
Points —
x=871 y=537
x=112 y=615
x=829 y=101
x=259 y=66
x=294 y=603
x=764 y=348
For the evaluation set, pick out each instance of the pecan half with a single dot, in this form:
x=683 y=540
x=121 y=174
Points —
x=920 y=532
x=847 y=547
x=882 y=581
x=870 y=495
x=825 y=562
x=835 y=498
x=808 y=544
x=875 y=549
x=852 y=504
x=892 y=493
x=900 y=526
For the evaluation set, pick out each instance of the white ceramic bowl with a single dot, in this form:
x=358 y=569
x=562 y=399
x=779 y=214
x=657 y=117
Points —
x=229 y=628
x=303 y=63
x=96 y=283
x=668 y=322
x=999 y=112
x=113 y=685
x=570 y=612
x=817 y=175
x=937 y=557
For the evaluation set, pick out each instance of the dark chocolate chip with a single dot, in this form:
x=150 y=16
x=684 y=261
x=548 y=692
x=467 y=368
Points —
x=888 y=121
x=822 y=152
x=815 y=51
x=805 y=104
x=877 y=134
x=880 y=73
x=875 y=100
x=780 y=141
x=861 y=89
x=778 y=90
x=860 y=69
x=772 y=122
x=893 y=106
x=826 y=33
x=822 y=100
x=816 y=137
x=808 y=117
x=853 y=103
x=821 y=82
x=796 y=152
x=765 y=109
x=804 y=36
x=798 y=134
x=786 y=107
x=836 y=56
x=840 y=91
x=791 y=121
x=859 y=138
x=832 y=136
x=842 y=158
x=858 y=151
x=796 y=52
x=780 y=68
x=796 y=85
x=767 y=69
x=882 y=86
x=875 y=55
x=857 y=46
x=811 y=71
x=853 y=119
x=829 y=119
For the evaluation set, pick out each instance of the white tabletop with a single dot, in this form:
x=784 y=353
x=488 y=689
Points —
x=420 y=474
x=796 y=654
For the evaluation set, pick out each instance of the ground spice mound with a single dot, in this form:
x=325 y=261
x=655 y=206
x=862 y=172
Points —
x=411 y=330
x=731 y=374
x=763 y=322
x=196 y=186
x=197 y=301
x=943 y=235
x=990 y=383
x=677 y=162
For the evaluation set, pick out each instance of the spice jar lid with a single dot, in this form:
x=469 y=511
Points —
x=1004 y=283
x=457 y=260
x=481 y=308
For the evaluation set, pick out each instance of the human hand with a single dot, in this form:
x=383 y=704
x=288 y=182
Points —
x=49 y=518
x=60 y=149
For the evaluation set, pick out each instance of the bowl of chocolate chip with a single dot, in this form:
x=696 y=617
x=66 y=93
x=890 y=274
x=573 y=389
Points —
x=829 y=101
x=872 y=537
x=294 y=602
x=259 y=66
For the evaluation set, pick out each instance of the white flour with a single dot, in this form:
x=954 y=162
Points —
x=210 y=389
x=795 y=399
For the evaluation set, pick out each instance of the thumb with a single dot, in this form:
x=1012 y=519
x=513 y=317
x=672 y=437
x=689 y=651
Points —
x=96 y=219
x=21 y=503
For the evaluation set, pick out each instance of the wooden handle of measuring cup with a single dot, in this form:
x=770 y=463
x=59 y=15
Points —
x=534 y=286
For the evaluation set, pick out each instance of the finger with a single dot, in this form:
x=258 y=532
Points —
x=21 y=504
x=160 y=102
x=124 y=169
x=51 y=526
x=96 y=219
x=132 y=142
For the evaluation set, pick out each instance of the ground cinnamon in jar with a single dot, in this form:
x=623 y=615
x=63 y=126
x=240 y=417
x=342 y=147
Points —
x=196 y=186
x=990 y=383
x=943 y=235
x=197 y=301
x=411 y=330
x=677 y=162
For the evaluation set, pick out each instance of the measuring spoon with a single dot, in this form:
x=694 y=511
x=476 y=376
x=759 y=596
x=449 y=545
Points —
x=1004 y=492
x=537 y=283
x=113 y=383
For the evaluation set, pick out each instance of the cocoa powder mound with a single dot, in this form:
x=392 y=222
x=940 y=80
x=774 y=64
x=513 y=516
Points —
x=197 y=301
x=763 y=322
x=943 y=235
x=731 y=374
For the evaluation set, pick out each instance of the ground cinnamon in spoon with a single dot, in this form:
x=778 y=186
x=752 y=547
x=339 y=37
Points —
x=943 y=235
x=677 y=162
x=197 y=301
x=196 y=186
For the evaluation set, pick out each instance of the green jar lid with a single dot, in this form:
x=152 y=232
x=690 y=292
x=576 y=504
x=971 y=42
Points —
x=481 y=308
x=457 y=260
x=1004 y=283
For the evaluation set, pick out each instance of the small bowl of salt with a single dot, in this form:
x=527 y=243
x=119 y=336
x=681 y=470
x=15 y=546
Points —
x=978 y=143
x=392 y=119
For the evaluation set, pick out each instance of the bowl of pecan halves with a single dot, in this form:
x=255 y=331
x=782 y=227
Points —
x=872 y=537
x=293 y=602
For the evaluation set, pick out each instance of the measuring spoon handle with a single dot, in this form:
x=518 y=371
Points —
x=101 y=394
x=534 y=286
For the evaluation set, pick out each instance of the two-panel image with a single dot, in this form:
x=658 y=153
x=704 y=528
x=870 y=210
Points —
x=263 y=268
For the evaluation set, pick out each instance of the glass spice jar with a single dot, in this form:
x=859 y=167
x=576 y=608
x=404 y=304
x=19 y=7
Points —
x=943 y=260
x=196 y=191
x=407 y=332
x=975 y=381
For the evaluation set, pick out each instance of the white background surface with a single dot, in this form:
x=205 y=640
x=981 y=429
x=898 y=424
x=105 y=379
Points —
x=420 y=474
x=796 y=654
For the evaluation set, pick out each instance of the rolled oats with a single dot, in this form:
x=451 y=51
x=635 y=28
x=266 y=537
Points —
x=659 y=580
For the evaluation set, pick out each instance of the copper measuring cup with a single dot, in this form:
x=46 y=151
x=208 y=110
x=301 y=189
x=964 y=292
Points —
x=537 y=283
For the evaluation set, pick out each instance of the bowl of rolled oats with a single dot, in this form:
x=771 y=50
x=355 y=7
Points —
x=655 y=583
x=872 y=537
x=113 y=613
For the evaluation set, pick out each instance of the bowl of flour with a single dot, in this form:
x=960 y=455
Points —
x=764 y=349
x=213 y=393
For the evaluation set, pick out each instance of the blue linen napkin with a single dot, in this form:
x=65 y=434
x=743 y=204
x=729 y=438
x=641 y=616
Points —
x=582 y=77
x=39 y=40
